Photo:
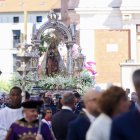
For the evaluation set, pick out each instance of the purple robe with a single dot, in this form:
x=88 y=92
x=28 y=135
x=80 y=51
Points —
x=22 y=130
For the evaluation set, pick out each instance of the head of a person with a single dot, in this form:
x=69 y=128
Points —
x=47 y=100
x=90 y=99
x=30 y=109
x=48 y=113
x=7 y=99
x=48 y=94
x=59 y=103
x=134 y=97
x=136 y=82
x=15 y=97
x=77 y=96
x=114 y=101
x=68 y=99
x=56 y=98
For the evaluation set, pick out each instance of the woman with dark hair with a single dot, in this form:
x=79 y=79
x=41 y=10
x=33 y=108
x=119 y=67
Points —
x=112 y=103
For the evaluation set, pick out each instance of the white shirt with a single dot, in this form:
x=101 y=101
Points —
x=91 y=117
x=66 y=107
x=7 y=117
x=100 y=129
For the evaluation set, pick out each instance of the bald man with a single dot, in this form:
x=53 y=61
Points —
x=77 y=129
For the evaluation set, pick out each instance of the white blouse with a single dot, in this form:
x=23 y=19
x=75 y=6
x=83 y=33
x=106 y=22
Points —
x=100 y=128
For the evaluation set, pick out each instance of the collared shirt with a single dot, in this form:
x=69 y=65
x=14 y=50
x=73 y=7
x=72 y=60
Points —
x=66 y=107
x=91 y=117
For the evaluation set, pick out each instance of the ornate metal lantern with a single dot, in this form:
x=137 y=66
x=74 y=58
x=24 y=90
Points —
x=23 y=57
x=27 y=62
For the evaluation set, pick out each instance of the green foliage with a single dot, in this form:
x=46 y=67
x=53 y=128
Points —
x=85 y=81
x=42 y=49
x=15 y=80
x=5 y=86
x=82 y=82
x=57 y=82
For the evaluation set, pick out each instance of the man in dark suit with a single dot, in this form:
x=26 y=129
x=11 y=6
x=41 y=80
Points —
x=127 y=126
x=62 y=118
x=77 y=129
x=78 y=102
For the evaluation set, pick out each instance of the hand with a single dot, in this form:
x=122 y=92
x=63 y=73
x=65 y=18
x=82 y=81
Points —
x=39 y=137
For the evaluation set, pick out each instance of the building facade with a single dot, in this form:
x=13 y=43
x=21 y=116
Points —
x=12 y=27
x=109 y=35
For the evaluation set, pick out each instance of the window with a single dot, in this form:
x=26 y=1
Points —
x=16 y=38
x=39 y=19
x=15 y=19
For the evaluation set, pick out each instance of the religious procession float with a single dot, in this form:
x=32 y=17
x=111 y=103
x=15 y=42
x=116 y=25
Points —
x=53 y=61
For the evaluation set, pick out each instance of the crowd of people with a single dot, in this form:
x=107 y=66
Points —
x=96 y=115
x=4 y=100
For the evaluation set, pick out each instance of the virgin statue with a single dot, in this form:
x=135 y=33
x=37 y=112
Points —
x=52 y=59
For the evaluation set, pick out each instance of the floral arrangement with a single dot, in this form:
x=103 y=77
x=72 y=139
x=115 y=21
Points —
x=57 y=82
x=60 y=82
x=90 y=67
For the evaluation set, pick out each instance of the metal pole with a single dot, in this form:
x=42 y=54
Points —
x=23 y=81
x=25 y=25
x=24 y=64
x=69 y=57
